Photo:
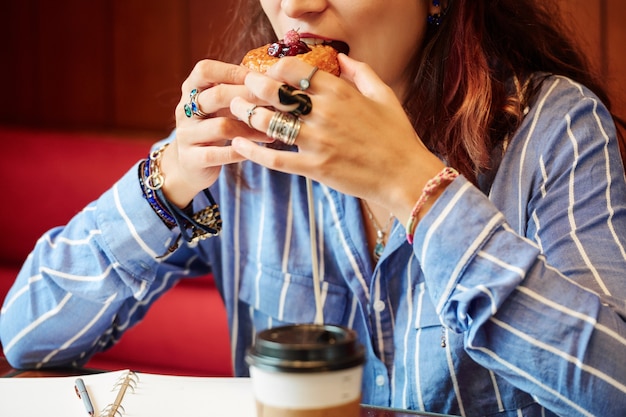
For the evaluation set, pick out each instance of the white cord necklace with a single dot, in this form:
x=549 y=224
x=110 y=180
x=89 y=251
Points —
x=381 y=233
x=317 y=291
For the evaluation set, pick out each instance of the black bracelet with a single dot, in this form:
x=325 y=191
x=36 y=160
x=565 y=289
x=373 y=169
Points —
x=203 y=224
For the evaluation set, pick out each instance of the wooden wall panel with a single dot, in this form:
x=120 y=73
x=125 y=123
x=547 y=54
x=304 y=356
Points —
x=616 y=51
x=50 y=73
x=584 y=18
x=207 y=22
x=119 y=64
x=20 y=51
x=151 y=50
x=599 y=25
x=73 y=55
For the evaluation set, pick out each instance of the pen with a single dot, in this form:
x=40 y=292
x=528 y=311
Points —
x=81 y=391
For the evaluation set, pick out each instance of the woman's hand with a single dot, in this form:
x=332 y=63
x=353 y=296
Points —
x=357 y=138
x=202 y=144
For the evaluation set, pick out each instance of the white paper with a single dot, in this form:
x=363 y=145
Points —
x=154 y=396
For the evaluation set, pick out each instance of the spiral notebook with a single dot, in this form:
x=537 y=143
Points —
x=127 y=394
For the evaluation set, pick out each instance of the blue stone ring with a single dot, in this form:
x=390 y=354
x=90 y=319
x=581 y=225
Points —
x=192 y=108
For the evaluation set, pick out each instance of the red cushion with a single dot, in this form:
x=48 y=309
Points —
x=47 y=177
x=7 y=276
x=184 y=333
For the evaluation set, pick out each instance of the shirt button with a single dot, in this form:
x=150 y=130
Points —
x=380 y=380
x=379 y=305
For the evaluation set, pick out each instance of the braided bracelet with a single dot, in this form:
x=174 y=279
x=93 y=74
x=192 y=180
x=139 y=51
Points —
x=447 y=174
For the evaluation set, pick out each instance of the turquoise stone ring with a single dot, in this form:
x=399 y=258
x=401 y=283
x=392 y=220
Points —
x=192 y=108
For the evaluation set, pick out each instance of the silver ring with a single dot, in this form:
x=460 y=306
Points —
x=192 y=108
x=250 y=113
x=305 y=83
x=284 y=127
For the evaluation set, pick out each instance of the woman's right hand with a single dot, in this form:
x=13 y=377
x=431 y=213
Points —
x=193 y=160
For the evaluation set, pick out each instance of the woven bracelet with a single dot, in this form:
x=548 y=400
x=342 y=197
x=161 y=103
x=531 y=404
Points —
x=448 y=175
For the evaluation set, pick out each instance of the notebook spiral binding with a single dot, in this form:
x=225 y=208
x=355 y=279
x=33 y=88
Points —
x=129 y=380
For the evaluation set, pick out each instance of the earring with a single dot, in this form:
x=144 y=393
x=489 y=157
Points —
x=435 y=18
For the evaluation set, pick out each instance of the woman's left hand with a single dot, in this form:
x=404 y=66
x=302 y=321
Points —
x=357 y=139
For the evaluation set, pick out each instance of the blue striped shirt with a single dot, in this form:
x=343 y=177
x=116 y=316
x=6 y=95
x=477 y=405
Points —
x=526 y=283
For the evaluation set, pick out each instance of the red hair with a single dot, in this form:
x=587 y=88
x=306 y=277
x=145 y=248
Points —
x=467 y=83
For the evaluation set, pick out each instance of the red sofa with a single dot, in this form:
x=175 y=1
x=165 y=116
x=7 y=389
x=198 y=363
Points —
x=47 y=177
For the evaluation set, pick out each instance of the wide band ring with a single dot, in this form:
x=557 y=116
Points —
x=284 y=127
x=192 y=108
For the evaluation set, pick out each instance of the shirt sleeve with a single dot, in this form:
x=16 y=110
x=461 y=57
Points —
x=536 y=284
x=86 y=283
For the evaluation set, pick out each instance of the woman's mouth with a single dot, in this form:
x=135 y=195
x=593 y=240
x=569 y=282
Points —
x=339 y=46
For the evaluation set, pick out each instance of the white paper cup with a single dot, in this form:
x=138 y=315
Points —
x=306 y=371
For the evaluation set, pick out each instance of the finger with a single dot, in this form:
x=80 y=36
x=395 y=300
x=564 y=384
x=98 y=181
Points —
x=207 y=73
x=363 y=77
x=274 y=93
x=220 y=155
x=260 y=118
x=209 y=88
x=299 y=74
x=218 y=97
x=288 y=162
x=217 y=132
x=257 y=117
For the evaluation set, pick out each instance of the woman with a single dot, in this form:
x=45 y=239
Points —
x=498 y=291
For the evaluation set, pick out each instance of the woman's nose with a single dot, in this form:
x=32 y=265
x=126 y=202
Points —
x=297 y=8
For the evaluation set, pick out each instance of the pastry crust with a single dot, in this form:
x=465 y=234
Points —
x=322 y=56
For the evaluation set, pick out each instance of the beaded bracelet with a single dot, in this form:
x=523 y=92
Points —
x=447 y=174
x=148 y=193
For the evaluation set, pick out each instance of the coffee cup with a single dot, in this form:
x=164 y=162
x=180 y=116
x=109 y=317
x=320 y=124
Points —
x=306 y=370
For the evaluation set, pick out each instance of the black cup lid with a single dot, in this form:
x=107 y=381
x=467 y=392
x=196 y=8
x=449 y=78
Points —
x=306 y=348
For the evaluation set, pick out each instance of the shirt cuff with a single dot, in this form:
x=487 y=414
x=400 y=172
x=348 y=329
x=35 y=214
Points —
x=133 y=235
x=471 y=260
